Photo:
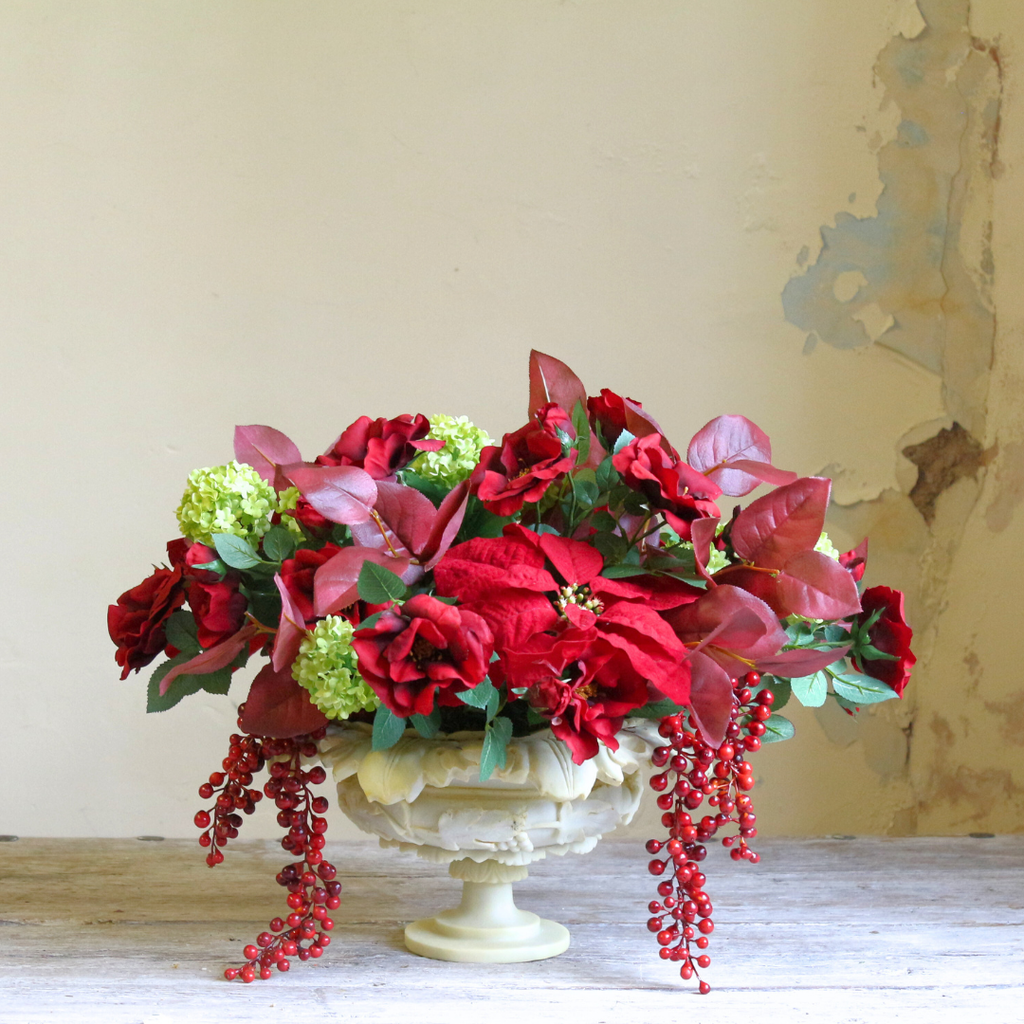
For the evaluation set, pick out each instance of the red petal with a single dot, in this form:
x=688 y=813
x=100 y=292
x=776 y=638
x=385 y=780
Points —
x=277 y=706
x=576 y=562
x=770 y=530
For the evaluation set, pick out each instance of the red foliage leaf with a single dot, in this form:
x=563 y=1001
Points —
x=267 y=450
x=789 y=520
x=760 y=471
x=702 y=534
x=476 y=569
x=818 y=587
x=552 y=381
x=342 y=494
x=722 y=441
x=639 y=422
x=446 y=525
x=291 y=628
x=212 y=660
x=761 y=584
x=800 y=663
x=407 y=513
x=277 y=706
x=710 y=697
x=335 y=585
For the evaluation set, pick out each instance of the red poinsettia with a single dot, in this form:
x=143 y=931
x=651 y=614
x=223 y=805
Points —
x=382 y=447
x=136 y=622
x=669 y=484
x=527 y=462
x=584 y=685
x=506 y=581
x=425 y=650
x=889 y=634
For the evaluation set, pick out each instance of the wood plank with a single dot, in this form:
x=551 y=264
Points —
x=824 y=930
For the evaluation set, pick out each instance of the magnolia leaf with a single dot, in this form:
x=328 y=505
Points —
x=279 y=543
x=336 y=583
x=378 y=585
x=180 y=630
x=787 y=521
x=552 y=381
x=724 y=440
x=812 y=690
x=342 y=494
x=235 y=551
x=480 y=696
x=818 y=587
x=267 y=450
x=387 y=729
x=861 y=689
x=776 y=729
x=493 y=753
x=802 y=662
x=427 y=726
x=277 y=706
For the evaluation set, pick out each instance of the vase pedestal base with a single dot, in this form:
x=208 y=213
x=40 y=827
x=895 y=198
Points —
x=486 y=928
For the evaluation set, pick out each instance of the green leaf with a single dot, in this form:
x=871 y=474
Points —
x=585 y=488
x=378 y=585
x=611 y=545
x=777 y=729
x=493 y=754
x=370 y=620
x=180 y=630
x=435 y=491
x=181 y=687
x=216 y=682
x=216 y=566
x=618 y=572
x=781 y=688
x=606 y=476
x=811 y=691
x=656 y=709
x=861 y=689
x=480 y=696
x=846 y=705
x=427 y=725
x=635 y=504
x=872 y=653
x=478 y=522
x=581 y=425
x=625 y=439
x=837 y=634
x=235 y=551
x=279 y=543
x=387 y=728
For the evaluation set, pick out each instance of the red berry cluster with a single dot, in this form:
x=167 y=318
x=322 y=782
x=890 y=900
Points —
x=310 y=880
x=723 y=777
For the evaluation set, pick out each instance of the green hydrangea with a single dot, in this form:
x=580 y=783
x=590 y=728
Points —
x=826 y=547
x=286 y=501
x=463 y=443
x=226 y=499
x=327 y=667
x=716 y=559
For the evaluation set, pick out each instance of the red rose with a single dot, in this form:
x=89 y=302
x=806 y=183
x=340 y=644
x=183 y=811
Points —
x=668 y=482
x=526 y=463
x=582 y=683
x=608 y=415
x=891 y=635
x=382 y=447
x=136 y=622
x=297 y=575
x=426 y=646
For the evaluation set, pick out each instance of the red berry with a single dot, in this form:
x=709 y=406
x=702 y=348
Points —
x=231 y=973
x=704 y=988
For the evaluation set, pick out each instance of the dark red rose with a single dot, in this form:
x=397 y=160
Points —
x=136 y=622
x=526 y=463
x=218 y=608
x=297 y=575
x=382 y=447
x=891 y=635
x=426 y=647
x=309 y=517
x=667 y=482
x=608 y=415
x=856 y=561
x=582 y=683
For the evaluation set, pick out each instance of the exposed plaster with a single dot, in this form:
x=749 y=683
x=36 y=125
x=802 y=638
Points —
x=942 y=460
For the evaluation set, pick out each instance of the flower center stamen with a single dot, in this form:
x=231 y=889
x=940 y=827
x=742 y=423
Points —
x=578 y=594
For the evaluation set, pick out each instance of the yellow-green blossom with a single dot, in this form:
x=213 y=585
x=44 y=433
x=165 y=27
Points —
x=226 y=499
x=826 y=547
x=328 y=668
x=463 y=443
x=286 y=501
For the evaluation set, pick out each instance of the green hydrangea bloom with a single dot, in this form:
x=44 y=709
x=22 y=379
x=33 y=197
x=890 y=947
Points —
x=226 y=499
x=716 y=559
x=328 y=668
x=286 y=501
x=826 y=547
x=460 y=454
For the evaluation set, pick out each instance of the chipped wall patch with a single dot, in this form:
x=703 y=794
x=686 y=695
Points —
x=950 y=455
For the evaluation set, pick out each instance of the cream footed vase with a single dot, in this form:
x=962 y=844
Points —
x=425 y=796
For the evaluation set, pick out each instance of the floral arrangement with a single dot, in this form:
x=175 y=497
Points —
x=579 y=572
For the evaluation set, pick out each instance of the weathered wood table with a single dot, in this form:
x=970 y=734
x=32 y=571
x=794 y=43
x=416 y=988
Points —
x=822 y=930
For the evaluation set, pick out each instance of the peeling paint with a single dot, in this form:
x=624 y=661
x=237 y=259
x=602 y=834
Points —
x=1009 y=486
x=943 y=459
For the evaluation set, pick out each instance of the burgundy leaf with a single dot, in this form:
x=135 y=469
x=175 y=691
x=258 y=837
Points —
x=213 y=659
x=446 y=525
x=291 y=628
x=267 y=450
x=639 y=422
x=335 y=585
x=816 y=586
x=552 y=381
x=408 y=513
x=342 y=494
x=702 y=534
x=789 y=520
x=277 y=706
x=800 y=662
x=710 y=697
x=721 y=441
x=761 y=472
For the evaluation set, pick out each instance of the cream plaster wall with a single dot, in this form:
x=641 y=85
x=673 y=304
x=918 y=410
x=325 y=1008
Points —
x=296 y=213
